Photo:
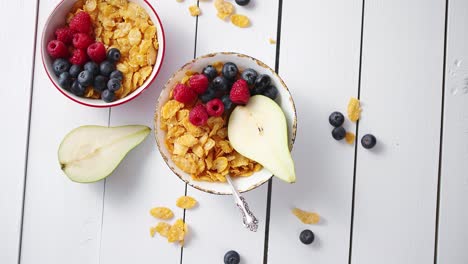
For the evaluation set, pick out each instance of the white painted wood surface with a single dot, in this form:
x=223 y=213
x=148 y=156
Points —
x=62 y=219
x=143 y=180
x=396 y=182
x=216 y=223
x=16 y=70
x=322 y=73
x=453 y=235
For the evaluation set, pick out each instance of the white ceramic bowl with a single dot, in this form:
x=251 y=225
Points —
x=243 y=62
x=57 y=19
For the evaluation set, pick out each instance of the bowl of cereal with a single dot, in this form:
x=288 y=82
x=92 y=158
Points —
x=102 y=53
x=192 y=115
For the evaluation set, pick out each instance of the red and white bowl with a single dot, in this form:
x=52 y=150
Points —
x=58 y=18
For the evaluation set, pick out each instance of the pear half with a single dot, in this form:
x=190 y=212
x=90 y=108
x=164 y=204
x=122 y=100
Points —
x=259 y=131
x=91 y=153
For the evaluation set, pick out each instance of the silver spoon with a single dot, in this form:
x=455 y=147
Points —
x=248 y=218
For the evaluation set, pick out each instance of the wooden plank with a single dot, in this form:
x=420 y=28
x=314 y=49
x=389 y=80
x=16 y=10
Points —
x=321 y=67
x=15 y=117
x=143 y=180
x=396 y=183
x=62 y=219
x=216 y=224
x=453 y=215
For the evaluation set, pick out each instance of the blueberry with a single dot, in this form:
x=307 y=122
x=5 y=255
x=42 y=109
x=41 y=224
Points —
x=106 y=68
x=227 y=102
x=242 y=2
x=271 y=91
x=113 y=55
x=60 y=65
x=100 y=83
x=85 y=78
x=116 y=75
x=220 y=83
x=210 y=72
x=230 y=71
x=77 y=88
x=262 y=82
x=338 y=133
x=336 y=119
x=75 y=70
x=107 y=96
x=368 y=141
x=307 y=237
x=114 y=84
x=65 y=80
x=208 y=95
x=92 y=67
x=231 y=257
x=249 y=75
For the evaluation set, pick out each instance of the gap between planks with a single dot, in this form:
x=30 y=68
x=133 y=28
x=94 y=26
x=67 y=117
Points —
x=439 y=173
x=26 y=151
x=356 y=139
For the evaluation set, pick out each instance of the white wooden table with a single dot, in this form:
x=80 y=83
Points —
x=403 y=202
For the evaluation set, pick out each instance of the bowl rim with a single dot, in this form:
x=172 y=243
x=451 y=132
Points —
x=213 y=54
x=129 y=97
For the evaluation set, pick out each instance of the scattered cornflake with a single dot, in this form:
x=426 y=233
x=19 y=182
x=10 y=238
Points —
x=152 y=231
x=194 y=10
x=306 y=217
x=350 y=138
x=162 y=213
x=272 y=41
x=177 y=232
x=240 y=20
x=186 y=202
x=354 y=109
x=162 y=229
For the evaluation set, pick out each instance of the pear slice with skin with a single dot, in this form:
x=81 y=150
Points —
x=259 y=132
x=91 y=153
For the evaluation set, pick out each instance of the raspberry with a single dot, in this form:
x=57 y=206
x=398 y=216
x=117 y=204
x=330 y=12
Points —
x=79 y=57
x=215 y=107
x=82 y=41
x=240 y=93
x=198 y=83
x=81 y=22
x=184 y=94
x=97 y=52
x=198 y=116
x=57 y=49
x=64 y=34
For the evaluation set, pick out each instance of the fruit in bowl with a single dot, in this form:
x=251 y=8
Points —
x=102 y=53
x=226 y=114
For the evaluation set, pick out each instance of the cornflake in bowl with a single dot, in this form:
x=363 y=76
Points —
x=202 y=155
x=132 y=26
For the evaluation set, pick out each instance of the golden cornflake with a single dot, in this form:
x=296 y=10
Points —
x=354 y=109
x=123 y=25
x=272 y=41
x=162 y=229
x=350 y=138
x=203 y=152
x=306 y=217
x=177 y=232
x=194 y=10
x=240 y=20
x=163 y=213
x=186 y=202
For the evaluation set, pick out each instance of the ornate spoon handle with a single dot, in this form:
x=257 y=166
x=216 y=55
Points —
x=248 y=218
